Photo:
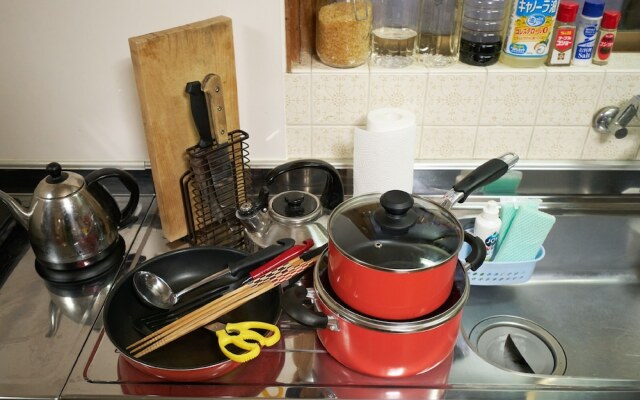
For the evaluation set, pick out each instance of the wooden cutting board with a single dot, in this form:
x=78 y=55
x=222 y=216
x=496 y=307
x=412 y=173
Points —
x=163 y=63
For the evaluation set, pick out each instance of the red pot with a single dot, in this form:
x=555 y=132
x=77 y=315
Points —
x=393 y=256
x=378 y=347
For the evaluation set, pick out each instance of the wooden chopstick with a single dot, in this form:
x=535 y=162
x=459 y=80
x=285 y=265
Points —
x=218 y=307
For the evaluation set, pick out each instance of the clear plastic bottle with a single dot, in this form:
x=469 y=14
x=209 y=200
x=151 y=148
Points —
x=394 y=32
x=482 y=26
x=439 y=33
x=588 y=24
x=487 y=226
x=526 y=40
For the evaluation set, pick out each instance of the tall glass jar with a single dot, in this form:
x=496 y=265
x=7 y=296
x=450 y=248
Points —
x=343 y=29
x=439 y=34
x=395 y=28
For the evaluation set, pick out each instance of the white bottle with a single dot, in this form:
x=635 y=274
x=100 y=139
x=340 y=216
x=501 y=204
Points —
x=487 y=226
x=588 y=24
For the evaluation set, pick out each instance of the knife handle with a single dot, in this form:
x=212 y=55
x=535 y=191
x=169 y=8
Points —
x=212 y=88
x=200 y=113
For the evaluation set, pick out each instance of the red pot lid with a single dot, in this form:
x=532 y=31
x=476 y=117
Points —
x=395 y=230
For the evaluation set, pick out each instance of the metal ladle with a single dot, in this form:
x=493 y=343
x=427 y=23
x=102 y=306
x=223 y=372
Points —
x=155 y=291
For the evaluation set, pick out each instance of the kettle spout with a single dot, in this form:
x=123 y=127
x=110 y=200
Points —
x=20 y=213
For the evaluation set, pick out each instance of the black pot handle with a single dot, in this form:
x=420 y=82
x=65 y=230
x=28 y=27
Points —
x=478 y=251
x=332 y=195
x=106 y=199
x=292 y=301
x=486 y=173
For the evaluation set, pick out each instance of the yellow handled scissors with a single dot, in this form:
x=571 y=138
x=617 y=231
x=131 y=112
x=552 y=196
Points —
x=243 y=336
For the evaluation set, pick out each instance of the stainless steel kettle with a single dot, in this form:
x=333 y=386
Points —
x=297 y=214
x=73 y=222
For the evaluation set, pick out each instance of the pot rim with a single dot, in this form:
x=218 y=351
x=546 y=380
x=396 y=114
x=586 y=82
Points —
x=408 y=326
x=347 y=203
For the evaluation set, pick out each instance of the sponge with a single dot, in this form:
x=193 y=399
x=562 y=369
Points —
x=507 y=212
x=507 y=184
x=525 y=236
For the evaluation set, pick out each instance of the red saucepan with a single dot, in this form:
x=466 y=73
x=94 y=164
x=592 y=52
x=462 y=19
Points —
x=196 y=356
x=379 y=347
x=393 y=256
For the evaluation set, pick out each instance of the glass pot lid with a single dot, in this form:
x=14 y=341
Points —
x=395 y=231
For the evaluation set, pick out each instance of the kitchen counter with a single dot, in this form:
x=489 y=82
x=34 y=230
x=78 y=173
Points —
x=71 y=357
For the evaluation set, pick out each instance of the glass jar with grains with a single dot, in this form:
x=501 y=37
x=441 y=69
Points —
x=343 y=30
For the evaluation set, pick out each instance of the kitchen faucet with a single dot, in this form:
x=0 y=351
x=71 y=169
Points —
x=614 y=120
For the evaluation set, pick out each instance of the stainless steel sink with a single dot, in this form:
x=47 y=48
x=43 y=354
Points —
x=585 y=294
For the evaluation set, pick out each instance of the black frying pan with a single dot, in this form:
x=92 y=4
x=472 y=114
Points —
x=196 y=356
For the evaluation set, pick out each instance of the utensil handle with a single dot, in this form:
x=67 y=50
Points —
x=241 y=267
x=287 y=256
x=486 y=173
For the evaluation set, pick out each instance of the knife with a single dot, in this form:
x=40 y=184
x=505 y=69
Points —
x=200 y=113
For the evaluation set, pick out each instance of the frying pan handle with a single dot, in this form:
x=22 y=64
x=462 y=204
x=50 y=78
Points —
x=486 y=173
x=292 y=301
x=478 y=252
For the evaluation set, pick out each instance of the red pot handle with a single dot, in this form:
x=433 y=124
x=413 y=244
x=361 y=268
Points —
x=478 y=251
x=292 y=302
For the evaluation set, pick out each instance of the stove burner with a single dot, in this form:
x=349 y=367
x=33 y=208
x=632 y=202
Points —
x=75 y=276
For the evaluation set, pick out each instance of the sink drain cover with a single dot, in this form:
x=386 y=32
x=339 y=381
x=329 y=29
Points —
x=518 y=345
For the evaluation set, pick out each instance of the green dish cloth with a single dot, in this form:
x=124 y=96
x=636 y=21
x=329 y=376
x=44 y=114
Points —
x=527 y=231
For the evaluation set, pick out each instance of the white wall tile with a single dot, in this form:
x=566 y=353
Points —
x=493 y=141
x=447 y=142
x=466 y=112
x=454 y=98
x=401 y=91
x=339 y=99
x=512 y=98
x=557 y=143
x=618 y=88
x=332 y=142
x=297 y=99
x=569 y=97
x=298 y=141
x=606 y=147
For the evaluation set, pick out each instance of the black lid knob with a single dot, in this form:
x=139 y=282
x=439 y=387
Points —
x=295 y=201
x=55 y=173
x=396 y=202
x=396 y=215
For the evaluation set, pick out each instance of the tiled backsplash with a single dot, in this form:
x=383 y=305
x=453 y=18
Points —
x=465 y=112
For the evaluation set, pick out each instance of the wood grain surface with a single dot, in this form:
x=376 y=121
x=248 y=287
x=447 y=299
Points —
x=163 y=63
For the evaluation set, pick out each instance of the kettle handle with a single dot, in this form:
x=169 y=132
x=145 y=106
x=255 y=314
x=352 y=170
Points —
x=332 y=195
x=102 y=195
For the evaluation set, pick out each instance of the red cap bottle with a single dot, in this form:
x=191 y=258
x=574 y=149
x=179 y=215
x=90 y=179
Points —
x=567 y=11
x=606 y=37
x=610 y=19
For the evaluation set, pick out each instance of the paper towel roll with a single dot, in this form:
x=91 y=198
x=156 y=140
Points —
x=383 y=154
